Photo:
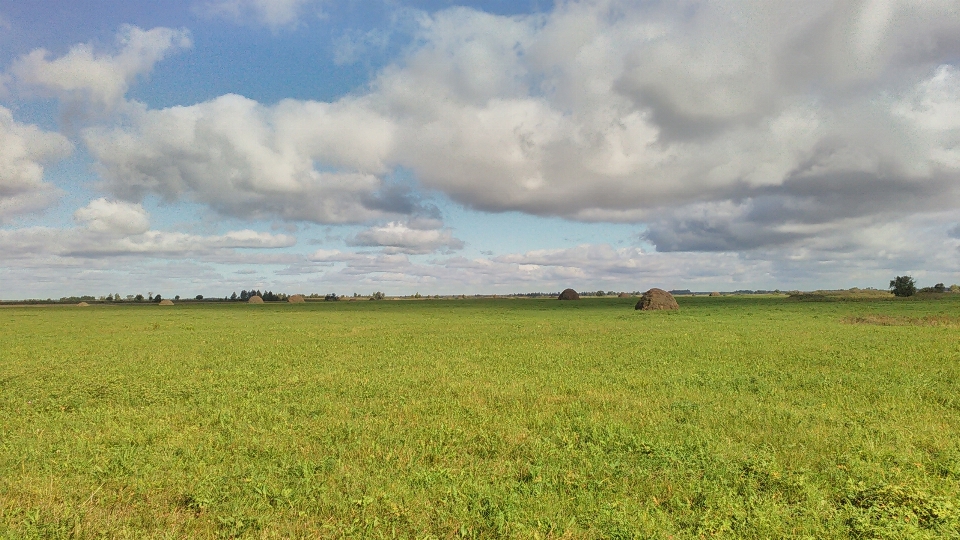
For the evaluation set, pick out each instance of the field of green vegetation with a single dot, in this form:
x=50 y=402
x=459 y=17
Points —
x=737 y=417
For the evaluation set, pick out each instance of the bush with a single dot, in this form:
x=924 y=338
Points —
x=903 y=286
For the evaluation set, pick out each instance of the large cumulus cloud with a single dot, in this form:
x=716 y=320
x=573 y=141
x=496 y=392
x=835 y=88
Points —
x=295 y=160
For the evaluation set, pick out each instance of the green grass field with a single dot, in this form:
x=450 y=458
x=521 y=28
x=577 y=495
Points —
x=737 y=417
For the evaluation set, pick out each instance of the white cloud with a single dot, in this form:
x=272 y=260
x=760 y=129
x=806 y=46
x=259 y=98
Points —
x=412 y=237
x=114 y=217
x=295 y=160
x=591 y=115
x=274 y=14
x=23 y=151
x=100 y=80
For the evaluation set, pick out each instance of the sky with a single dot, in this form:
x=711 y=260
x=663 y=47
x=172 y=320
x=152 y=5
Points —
x=312 y=146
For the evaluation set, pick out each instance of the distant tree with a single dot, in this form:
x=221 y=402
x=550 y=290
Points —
x=270 y=297
x=332 y=297
x=244 y=295
x=600 y=293
x=377 y=296
x=903 y=286
x=177 y=297
x=200 y=297
x=138 y=298
x=416 y=295
x=939 y=287
x=955 y=288
x=157 y=298
x=234 y=295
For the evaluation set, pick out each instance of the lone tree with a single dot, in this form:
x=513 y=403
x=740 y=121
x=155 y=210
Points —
x=903 y=286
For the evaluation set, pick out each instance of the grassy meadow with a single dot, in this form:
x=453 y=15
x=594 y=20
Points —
x=737 y=417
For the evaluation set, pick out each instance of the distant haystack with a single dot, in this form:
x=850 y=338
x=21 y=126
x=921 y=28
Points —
x=569 y=294
x=714 y=293
x=255 y=300
x=657 y=299
x=165 y=303
x=624 y=295
x=83 y=304
x=296 y=299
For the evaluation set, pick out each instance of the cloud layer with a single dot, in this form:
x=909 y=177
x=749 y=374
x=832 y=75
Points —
x=722 y=128
x=117 y=229
x=762 y=140
x=414 y=237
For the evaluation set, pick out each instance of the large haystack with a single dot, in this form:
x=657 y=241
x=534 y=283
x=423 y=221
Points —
x=83 y=304
x=714 y=293
x=255 y=300
x=569 y=294
x=296 y=299
x=657 y=299
x=165 y=303
x=624 y=295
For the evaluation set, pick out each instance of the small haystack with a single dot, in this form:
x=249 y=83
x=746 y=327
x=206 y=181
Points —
x=165 y=303
x=657 y=299
x=569 y=294
x=296 y=299
x=83 y=304
x=714 y=293
x=624 y=295
x=255 y=300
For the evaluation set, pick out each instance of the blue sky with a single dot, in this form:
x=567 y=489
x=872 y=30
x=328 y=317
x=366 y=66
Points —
x=488 y=147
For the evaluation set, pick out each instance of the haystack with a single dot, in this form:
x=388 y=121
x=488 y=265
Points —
x=83 y=304
x=296 y=299
x=714 y=293
x=165 y=303
x=255 y=300
x=657 y=299
x=624 y=295
x=569 y=294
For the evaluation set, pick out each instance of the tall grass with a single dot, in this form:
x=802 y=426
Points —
x=735 y=417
